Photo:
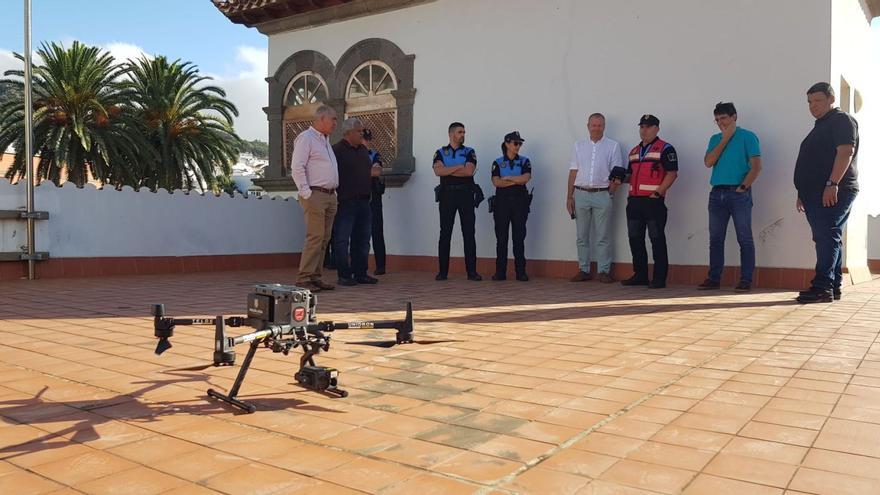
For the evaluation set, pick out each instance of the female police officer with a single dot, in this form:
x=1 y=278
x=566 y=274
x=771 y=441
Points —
x=510 y=174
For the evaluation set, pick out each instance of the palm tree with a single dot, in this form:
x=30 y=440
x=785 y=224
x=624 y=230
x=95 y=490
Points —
x=80 y=123
x=188 y=123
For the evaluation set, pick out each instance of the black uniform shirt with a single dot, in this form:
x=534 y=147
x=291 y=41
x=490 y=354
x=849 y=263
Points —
x=354 y=171
x=819 y=149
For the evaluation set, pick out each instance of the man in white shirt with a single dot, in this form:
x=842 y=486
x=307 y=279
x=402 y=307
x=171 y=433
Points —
x=589 y=197
x=314 y=169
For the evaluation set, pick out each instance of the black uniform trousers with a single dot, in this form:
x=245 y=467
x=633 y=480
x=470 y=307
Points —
x=511 y=212
x=457 y=199
x=647 y=213
x=378 y=231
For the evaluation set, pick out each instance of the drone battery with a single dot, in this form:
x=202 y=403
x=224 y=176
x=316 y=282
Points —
x=261 y=307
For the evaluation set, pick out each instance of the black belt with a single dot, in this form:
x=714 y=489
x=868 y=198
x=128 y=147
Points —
x=591 y=189
x=458 y=187
x=322 y=189
x=726 y=188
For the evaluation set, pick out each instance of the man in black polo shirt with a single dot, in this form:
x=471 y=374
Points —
x=352 y=224
x=827 y=184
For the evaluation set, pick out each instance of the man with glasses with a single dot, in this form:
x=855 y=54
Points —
x=734 y=155
x=510 y=174
x=588 y=198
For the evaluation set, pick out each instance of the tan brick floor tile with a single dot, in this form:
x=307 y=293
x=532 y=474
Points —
x=477 y=467
x=457 y=436
x=418 y=453
x=631 y=428
x=598 y=406
x=428 y=484
x=807 y=407
x=311 y=460
x=671 y=455
x=648 y=476
x=20 y=481
x=364 y=441
x=825 y=483
x=368 y=475
x=791 y=418
x=513 y=448
x=778 y=433
x=601 y=487
x=405 y=426
x=750 y=469
x=518 y=409
x=137 y=481
x=82 y=468
x=580 y=462
x=838 y=462
x=689 y=437
x=851 y=437
x=608 y=444
x=768 y=451
x=545 y=432
x=42 y=452
x=540 y=481
x=705 y=484
x=259 y=478
x=190 y=489
x=199 y=464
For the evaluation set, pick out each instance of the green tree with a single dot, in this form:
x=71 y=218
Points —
x=260 y=149
x=188 y=124
x=81 y=125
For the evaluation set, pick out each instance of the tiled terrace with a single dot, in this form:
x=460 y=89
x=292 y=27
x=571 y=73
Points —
x=547 y=387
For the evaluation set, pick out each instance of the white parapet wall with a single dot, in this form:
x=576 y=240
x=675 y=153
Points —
x=102 y=223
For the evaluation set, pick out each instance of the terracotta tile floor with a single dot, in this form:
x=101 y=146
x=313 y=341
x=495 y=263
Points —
x=547 y=387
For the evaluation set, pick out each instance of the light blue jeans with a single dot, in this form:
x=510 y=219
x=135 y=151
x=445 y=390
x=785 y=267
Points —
x=593 y=219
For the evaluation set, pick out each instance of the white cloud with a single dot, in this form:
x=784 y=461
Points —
x=8 y=62
x=248 y=90
x=125 y=51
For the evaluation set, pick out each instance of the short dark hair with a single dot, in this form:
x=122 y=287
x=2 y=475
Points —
x=455 y=125
x=596 y=115
x=821 y=87
x=725 y=108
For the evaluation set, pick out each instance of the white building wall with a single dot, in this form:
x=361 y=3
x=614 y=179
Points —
x=89 y=222
x=542 y=67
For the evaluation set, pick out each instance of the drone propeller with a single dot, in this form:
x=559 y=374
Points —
x=387 y=344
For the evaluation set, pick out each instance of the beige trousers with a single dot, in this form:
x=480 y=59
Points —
x=319 y=211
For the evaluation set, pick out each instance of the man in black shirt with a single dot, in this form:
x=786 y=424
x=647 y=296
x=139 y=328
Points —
x=455 y=165
x=826 y=180
x=351 y=229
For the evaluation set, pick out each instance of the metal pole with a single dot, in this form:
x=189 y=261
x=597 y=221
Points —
x=29 y=138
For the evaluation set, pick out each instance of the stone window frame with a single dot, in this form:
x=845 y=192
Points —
x=336 y=78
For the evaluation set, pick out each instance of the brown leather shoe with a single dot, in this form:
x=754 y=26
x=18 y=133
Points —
x=323 y=285
x=606 y=278
x=581 y=277
x=308 y=284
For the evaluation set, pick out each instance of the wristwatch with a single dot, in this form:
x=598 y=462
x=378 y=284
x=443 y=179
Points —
x=745 y=187
x=830 y=182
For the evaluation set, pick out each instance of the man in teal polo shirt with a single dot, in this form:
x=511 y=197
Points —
x=734 y=155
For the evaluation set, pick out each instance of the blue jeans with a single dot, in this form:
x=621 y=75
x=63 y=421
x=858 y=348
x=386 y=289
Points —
x=724 y=204
x=351 y=236
x=827 y=226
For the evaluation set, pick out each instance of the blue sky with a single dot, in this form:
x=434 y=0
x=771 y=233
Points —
x=190 y=30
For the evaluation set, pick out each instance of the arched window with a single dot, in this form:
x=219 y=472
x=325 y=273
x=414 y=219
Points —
x=306 y=91
x=368 y=96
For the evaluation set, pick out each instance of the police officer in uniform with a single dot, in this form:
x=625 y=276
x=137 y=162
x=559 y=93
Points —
x=653 y=167
x=377 y=189
x=455 y=164
x=510 y=174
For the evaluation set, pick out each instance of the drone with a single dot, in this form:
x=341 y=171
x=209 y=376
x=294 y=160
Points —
x=283 y=318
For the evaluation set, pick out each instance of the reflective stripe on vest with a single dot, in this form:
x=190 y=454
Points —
x=647 y=171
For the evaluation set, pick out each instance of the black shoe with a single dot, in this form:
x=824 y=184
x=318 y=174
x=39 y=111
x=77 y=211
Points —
x=657 y=284
x=499 y=277
x=743 y=286
x=522 y=277
x=440 y=277
x=836 y=293
x=709 y=284
x=348 y=282
x=379 y=271
x=634 y=281
x=815 y=295
x=366 y=279
x=475 y=277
